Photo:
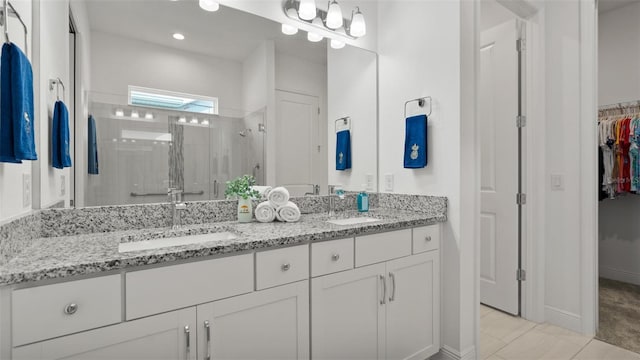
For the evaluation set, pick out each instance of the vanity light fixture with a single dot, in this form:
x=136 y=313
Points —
x=182 y=119
x=134 y=114
x=209 y=5
x=334 y=18
x=178 y=36
x=358 y=27
x=194 y=120
x=119 y=112
x=307 y=9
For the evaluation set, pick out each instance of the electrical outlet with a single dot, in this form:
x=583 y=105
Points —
x=26 y=190
x=388 y=182
x=369 y=181
x=63 y=185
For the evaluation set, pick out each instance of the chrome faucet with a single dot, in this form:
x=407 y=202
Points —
x=177 y=206
x=335 y=191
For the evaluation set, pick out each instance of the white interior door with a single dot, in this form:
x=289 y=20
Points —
x=297 y=142
x=499 y=168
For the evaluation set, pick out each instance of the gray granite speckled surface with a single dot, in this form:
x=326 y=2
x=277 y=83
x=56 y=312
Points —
x=18 y=234
x=65 y=256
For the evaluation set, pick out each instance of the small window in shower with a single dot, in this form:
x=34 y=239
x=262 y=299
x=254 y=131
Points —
x=170 y=100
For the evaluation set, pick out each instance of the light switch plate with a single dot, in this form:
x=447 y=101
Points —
x=26 y=190
x=388 y=182
x=557 y=182
x=369 y=182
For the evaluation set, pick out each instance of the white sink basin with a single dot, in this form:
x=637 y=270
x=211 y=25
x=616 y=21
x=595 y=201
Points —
x=353 y=221
x=174 y=241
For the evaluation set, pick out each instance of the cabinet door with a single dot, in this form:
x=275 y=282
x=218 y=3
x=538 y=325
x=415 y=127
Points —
x=158 y=337
x=413 y=307
x=267 y=324
x=348 y=314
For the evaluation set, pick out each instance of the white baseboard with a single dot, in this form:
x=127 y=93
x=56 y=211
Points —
x=619 y=275
x=562 y=318
x=447 y=353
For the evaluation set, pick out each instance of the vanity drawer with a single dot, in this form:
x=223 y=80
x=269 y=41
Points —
x=49 y=311
x=282 y=266
x=331 y=256
x=426 y=238
x=371 y=249
x=176 y=286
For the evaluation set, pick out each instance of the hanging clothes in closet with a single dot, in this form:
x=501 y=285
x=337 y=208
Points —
x=619 y=148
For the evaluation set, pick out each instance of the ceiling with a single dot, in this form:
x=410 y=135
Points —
x=227 y=33
x=608 y=5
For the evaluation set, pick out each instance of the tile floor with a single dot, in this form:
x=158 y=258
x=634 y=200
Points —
x=504 y=337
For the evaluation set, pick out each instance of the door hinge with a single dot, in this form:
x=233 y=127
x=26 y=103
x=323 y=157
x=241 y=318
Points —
x=521 y=275
x=521 y=199
x=521 y=121
x=520 y=45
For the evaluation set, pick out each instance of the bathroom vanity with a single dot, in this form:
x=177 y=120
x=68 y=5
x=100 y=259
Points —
x=276 y=291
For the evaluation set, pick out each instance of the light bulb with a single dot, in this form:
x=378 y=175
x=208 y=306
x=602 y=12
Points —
x=358 y=26
x=209 y=5
x=119 y=112
x=205 y=122
x=313 y=37
x=337 y=44
x=334 y=16
x=307 y=9
x=194 y=120
x=148 y=116
x=182 y=119
x=289 y=29
x=134 y=114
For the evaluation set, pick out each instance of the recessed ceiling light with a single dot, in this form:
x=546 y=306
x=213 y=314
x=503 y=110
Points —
x=178 y=36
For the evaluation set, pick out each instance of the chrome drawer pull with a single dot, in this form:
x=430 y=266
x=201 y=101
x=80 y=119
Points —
x=208 y=333
x=384 y=292
x=286 y=267
x=335 y=257
x=392 y=276
x=187 y=335
x=71 y=309
x=428 y=238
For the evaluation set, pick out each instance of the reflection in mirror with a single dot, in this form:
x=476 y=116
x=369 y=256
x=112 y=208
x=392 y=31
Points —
x=189 y=99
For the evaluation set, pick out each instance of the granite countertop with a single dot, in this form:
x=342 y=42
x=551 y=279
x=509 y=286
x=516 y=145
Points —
x=65 y=256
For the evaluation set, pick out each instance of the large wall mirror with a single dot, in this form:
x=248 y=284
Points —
x=189 y=99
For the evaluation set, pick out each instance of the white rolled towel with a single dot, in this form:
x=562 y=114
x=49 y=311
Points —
x=265 y=212
x=288 y=213
x=263 y=190
x=278 y=197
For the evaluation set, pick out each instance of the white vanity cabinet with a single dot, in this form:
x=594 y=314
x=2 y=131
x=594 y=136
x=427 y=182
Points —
x=169 y=336
x=266 y=324
x=386 y=310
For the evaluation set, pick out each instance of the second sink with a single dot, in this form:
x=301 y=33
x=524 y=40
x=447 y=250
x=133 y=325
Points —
x=159 y=243
x=353 y=221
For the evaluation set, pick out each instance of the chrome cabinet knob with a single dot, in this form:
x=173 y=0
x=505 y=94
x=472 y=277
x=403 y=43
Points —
x=335 y=257
x=286 y=267
x=428 y=238
x=71 y=309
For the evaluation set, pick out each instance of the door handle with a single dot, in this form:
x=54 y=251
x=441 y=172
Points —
x=187 y=335
x=384 y=291
x=392 y=276
x=207 y=330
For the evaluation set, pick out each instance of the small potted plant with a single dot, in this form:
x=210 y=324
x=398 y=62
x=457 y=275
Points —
x=241 y=189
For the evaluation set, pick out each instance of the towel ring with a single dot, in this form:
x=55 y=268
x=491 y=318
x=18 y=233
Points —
x=346 y=124
x=421 y=103
x=57 y=82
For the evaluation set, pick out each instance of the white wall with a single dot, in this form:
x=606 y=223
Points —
x=117 y=62
x=429 y=62
x=619 y=81
x=353 y=88
x=51 y=26
x=298 y=75
x=258 y=94
x=11 y=186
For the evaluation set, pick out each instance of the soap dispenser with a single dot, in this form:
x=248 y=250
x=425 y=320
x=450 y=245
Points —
x=363 y=200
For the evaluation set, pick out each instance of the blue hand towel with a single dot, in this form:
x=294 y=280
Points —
x=93 y=147
x=415 y=142
x=343 y=150
x=17 y=139
x=60 y=157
